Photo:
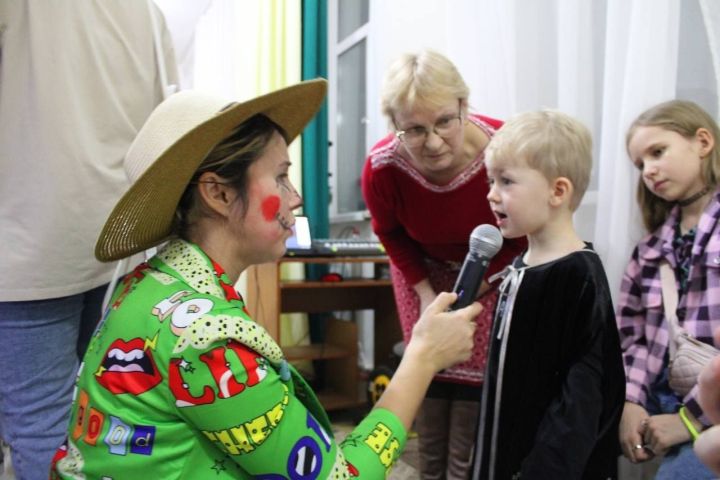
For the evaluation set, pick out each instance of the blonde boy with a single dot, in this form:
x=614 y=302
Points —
x=554 y=386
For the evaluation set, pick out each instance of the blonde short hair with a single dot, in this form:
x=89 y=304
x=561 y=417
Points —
x=427 y=78
x=549 y=141
x=684 y=118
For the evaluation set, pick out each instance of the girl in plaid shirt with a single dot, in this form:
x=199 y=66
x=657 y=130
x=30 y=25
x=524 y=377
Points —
x=673 y=145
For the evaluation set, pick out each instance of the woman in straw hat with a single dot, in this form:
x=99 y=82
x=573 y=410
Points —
x=178 y=381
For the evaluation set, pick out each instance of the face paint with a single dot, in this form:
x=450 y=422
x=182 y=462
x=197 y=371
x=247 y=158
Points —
x=283 y=222
x=271 y=211
x=271 y=207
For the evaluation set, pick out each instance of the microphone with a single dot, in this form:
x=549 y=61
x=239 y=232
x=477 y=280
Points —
x=485 y=242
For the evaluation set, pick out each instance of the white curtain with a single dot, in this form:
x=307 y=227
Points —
x=602 y=61
x=239 y=49
x=181 y=17
x=640 y=70
x=711 y=17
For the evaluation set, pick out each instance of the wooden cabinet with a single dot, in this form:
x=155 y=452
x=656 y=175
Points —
x=268 y=296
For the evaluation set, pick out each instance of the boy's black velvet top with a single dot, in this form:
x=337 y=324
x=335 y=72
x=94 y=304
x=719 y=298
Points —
x=563 y=383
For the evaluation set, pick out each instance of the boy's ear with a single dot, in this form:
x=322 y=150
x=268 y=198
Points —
x=215 y=193
x=562 y=190
x=706 y=140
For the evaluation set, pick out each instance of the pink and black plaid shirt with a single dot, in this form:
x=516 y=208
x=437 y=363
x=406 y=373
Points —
x=644 y=333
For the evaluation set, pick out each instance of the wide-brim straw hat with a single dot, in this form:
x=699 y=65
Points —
x=170 y=147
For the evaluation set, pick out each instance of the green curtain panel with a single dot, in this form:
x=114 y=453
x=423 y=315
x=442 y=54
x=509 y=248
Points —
x=315 y=137
x=316 y=193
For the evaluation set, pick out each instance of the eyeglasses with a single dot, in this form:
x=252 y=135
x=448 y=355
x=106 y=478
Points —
x=445 y=127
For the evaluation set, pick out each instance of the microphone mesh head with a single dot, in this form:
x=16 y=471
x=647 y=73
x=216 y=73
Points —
x=485 y=240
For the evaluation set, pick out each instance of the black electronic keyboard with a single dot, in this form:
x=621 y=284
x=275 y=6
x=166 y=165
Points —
x=338 y=247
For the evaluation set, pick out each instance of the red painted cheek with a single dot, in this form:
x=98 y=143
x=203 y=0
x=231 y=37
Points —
x=271 y=207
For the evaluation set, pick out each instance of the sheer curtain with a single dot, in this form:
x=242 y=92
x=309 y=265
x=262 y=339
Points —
x=242 y=49
x=640 y=70
x=602 y=61
x=711 y=17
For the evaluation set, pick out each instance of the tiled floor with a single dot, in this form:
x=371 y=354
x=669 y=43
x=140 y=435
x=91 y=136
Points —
x=406 y=466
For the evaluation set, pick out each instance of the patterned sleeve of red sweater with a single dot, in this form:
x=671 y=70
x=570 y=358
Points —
x=404 y=252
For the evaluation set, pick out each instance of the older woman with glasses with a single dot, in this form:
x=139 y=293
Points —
x=425 y=185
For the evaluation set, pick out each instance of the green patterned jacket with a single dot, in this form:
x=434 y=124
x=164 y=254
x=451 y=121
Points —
x=180 y=383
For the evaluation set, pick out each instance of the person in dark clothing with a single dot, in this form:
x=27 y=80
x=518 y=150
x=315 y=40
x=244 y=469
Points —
x=555 y=383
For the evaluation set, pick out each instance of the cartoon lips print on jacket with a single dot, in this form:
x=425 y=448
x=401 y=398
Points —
x=128 y=367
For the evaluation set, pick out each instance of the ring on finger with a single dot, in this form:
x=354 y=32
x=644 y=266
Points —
x=638 y=447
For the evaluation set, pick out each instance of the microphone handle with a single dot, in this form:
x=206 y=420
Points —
x=469 y=280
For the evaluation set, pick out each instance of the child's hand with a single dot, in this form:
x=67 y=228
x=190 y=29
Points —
x=707 y=448
x=709 y=390
x=709 y=386
x=444 y=338
x=665 y=431
x=632 y=428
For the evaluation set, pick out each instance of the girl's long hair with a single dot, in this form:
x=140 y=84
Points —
x=685 y=118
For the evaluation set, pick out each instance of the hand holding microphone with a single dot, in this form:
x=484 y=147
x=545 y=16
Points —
x=445 y=331
x=485 y=243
